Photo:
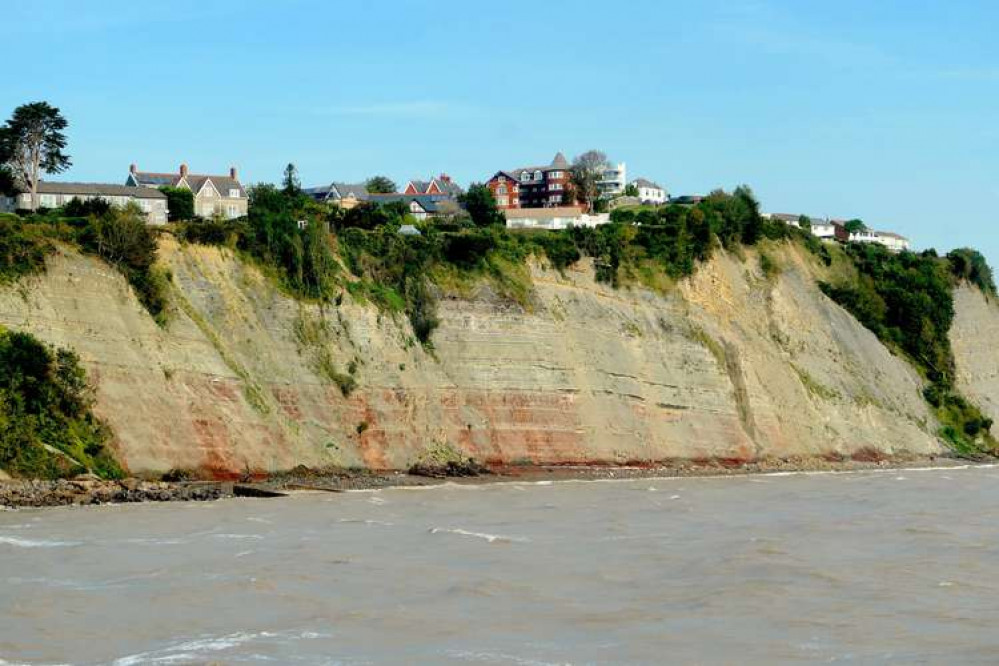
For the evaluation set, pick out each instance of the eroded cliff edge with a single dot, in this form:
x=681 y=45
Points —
x=729 y=365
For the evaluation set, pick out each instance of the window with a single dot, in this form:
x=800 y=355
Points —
x=234 y=194
x=525 y=176
x=537 y=175
x=554 y=174
x=232 y=212
x=501 y=189
x=555 y=187
x=502 y=201
x=207 y=192
x=48 y=201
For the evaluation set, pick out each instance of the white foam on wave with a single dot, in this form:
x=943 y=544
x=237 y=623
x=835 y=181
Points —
x=358 y=521
x=36 y=543
x=195 y=649
x=491 y=538
x=255 y=537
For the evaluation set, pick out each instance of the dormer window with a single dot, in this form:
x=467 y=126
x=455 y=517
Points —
x=537 y=175
x=234 y=194
x=526 y=176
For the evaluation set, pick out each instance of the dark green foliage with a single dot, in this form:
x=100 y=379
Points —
x=906 y=300
x=970 y=265
x=8 y=185
x=380 y=185
x=288 y=231
x=123 y=239
x=371 y=216
x=45 y=401
x=23 y=248
x=77 y=208
x=291 y=184
x=212 y=232
x=481 y=206
x=32 y=142
x=180 y=203
x=853 y=226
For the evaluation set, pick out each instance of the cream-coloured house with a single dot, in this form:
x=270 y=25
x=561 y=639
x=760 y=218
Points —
x=214 y=196
x=153 y=203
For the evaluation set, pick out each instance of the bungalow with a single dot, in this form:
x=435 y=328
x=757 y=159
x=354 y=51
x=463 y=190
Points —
x=649 y=192
x=345 y=195
x=790 y=219
x=562 y=217
x=892 y=241
x=213 y=195
x=55 y=195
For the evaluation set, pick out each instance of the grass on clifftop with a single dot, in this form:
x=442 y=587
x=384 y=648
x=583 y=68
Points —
x=47 y=427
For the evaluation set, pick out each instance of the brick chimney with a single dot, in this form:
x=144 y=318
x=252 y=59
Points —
x=183 y=170
x=232 y=173
x=133 y=167
x=445 y=178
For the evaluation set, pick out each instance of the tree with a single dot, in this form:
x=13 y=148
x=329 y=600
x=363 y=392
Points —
x=854 y=226
x=380 y=185
x=630 y=190
x=481 y=206
x=32 y=143
x=8 y=184
x=805 y=222
x=292 y=185
x=180 y=203
x=587 y=171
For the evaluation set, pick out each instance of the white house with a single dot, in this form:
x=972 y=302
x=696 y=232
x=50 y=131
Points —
x=552 y=218
x=649 y=192
x=55 y=195
x=892 y=241
x=787 y=218
x=613 y=180
x=829 y=230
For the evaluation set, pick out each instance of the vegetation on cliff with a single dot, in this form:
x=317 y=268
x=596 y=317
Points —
x=907 y=300
x=47 y=427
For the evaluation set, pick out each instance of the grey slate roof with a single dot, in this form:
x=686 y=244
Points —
x=432 y=203
x=560 y=162
x=194 y=181
x=336 y=191
x=642 y=182
x=99 y=189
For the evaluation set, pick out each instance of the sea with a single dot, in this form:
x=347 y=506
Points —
x=885 y=567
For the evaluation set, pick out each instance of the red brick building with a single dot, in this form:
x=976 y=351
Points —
x=533 y=187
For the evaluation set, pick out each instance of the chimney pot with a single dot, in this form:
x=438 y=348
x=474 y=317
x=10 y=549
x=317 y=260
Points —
x=183 y=169
x=232 y=173
x=133 y=167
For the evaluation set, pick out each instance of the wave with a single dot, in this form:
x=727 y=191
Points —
x=191 y=650
x=491 y=538
x=37 y=543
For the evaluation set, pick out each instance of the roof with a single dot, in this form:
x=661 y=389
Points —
x=559 y=162
x=99 y=189
x=338 y=191
x=642 y=182
x=891 y=234
x=194 y=181
x=542 y=213
x=432 y=203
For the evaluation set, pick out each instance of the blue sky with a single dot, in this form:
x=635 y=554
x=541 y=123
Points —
x=885 y=111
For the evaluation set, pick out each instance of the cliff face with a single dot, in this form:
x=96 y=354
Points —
x=729 y=365
x=973 y=337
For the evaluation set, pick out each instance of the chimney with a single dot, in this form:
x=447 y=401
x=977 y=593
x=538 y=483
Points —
x=232 y=173
x=445 y=178
x=133 y=167
x=183 y=170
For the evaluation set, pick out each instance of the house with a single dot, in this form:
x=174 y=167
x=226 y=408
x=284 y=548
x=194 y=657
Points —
x=55 y=195
x=790 y=219
x=649 y=192
x=561 y=217
x=214 y=196
x=830 y=230
x=613 y=180
x=421 y=206
x=892 y=241
x=344 y=195
x=532 y=187
x=687 y=199
x=442 y=184
x=506 y=190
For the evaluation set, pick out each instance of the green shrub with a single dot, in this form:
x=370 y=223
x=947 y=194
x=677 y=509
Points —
x=22 y=249
x=45 y=406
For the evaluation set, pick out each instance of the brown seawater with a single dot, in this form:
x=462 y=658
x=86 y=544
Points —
x=898 y=567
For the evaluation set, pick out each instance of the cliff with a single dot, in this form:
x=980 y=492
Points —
x=973 y=337
x=728 y=365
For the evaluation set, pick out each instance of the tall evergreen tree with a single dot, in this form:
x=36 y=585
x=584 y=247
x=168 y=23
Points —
x=31 y=143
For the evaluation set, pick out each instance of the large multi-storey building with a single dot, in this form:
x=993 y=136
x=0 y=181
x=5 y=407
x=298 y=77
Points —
x=533 y=187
